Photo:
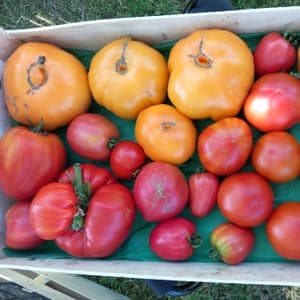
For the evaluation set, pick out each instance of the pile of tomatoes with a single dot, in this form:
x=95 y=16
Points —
x=91 y=148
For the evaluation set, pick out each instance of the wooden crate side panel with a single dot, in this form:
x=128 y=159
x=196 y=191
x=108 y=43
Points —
x=92 y=35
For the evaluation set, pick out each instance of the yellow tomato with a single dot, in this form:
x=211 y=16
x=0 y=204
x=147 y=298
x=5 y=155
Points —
x=126 y=76
x=165 y=134
x=45 y=83
x=211 y=72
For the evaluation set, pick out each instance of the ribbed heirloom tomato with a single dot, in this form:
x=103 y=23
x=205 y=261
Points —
x=86 y=216
x=29 y=160
x=211 y=72
x=42 y=82
x=224 y=146
x=127 y=76
x=165 y=134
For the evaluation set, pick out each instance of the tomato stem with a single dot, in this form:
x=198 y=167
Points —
x=292 y=38
x=38 y=128
x=214 y=254
x=83 y=193
x=201 y=59
x=121 y=64
x=195 y=240
x=113 y=142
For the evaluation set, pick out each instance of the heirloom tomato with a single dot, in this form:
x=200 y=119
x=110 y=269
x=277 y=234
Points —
x=42 y=82
x=166 y=134
x=127 y=76
x=273 y=102
x=160 y=191
x=19 y=233
x=126 y=159
x=276 y=156
x=83 y=222
x=203 y=189
x=283 y=230
x=174 y=239
x=274 y=53
x=90 y=134
x=211 y=72
x=246 y=199
x=28 y=161
x=224 y=146
x=231 y=243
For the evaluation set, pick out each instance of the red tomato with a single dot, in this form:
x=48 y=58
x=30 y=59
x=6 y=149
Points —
x=83 y=224
x=273 y=102
x=28 y=161
x=224 y=146
x=92 y=175
x=126 y=159
x=89 y=135
x=160 y=191
x=232 y=243
x=283 y=230
x=245 y=199
x=281 y=151
x=174 y=239
x=19 y=233
x=203 y=189
x=274 y=53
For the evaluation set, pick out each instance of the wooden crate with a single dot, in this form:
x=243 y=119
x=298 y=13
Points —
x=154 y=30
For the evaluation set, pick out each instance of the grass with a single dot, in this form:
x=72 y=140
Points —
x=28 y=13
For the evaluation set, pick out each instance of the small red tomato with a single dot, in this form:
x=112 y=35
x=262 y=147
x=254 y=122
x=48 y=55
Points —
x=28 y=161
x=19 y=233
x=89 y=135
x=203 y=189
x=231 y=243
x=276 y=156
x=273 y=102
x=274 y=53
x=283 y=230
x=224 y=146
x=160 y=191
x=245 y=199
x=126 y=158
x=174 y=239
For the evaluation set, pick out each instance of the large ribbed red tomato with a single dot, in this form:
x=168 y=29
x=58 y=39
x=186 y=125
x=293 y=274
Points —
x=28 y=161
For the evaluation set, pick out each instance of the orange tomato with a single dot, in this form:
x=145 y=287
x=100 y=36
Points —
x=211 y=72
x=165 y=134
x=126 y=76
x=45 y=83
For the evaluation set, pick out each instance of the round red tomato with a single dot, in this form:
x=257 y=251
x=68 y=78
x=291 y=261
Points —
x=274 y=53
x=89 y=135
x=231 y=243
x=19 y=233
x=83 y=224
x=126 y=159
x=283 y=230
x=246 y=199
x=273 y=102
x=160 y=191
x=174 y=239
x=28 y=161
x=224 y=146
x=203 y=189
x=281 y=151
